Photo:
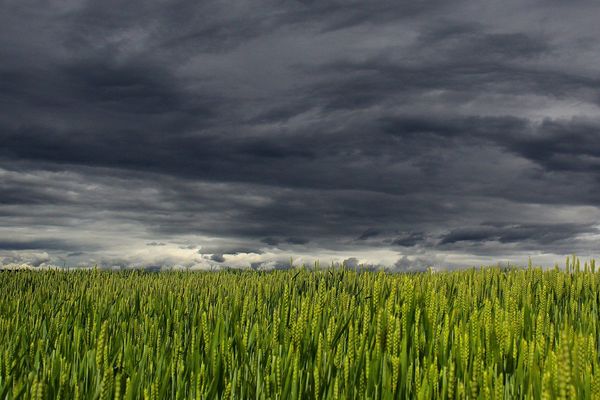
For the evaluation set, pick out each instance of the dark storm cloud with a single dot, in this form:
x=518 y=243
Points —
x=270 y=241
x=472 y=41
x=49 y=244
x=369 y=233
x=563 y=146
x=409 y=239
x=197 y=131
x=498 y=240
x=540 y=234
x=296 y=240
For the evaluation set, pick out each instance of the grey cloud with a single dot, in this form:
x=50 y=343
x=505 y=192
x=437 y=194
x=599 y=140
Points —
x=35 y=259
x=224 y=250
x=217 y=258
x=287 y=129
x=270 y=265
x=351 y=262
x=416 y=264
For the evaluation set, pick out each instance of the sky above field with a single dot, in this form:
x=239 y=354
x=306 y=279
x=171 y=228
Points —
x=230 y=133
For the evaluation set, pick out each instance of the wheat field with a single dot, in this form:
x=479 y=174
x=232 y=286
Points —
x=303 y=333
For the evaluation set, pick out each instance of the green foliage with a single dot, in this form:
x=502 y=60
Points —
x=300 y=334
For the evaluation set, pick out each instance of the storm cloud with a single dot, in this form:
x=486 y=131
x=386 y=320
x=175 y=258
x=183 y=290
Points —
x=219 y=133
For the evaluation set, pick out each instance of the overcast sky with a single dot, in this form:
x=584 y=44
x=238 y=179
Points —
x=234 y=133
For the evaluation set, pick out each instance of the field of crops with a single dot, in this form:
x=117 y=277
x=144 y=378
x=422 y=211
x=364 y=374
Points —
x=301 y=334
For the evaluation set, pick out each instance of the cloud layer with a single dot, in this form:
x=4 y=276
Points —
x=217 y=133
